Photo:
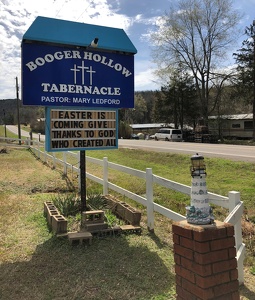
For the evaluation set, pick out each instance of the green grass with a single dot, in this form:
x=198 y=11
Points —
x=9 y=134
x=134 y=267
x=222 y=175
x=44 y=267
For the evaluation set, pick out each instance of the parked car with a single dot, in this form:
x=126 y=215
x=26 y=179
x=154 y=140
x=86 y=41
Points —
x=134 y=136
x=169 y=134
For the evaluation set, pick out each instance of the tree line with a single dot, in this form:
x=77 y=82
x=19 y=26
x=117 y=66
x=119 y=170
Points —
x=191 y=45
x=28 y=115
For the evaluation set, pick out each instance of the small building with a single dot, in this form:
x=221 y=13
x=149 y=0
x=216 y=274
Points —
x=150 y=127
x=238 y=126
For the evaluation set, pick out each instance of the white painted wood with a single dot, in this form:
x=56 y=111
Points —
x=218 y=200
x=94 y=160
x=149 y=196
x=240 y=259
x=38 y=150
x=232 y=202
x=54 y=160
x=94 y=178
x=105 y=176
x=134 y=172
x=64 y=160
x=168 y=213
x=235 y=215
x=185 y=189
x=236 y=206
x=128 y=194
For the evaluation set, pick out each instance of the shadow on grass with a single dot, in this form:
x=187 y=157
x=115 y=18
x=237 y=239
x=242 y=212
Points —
x=245 y=291
x=108 y=269
x=69 y=183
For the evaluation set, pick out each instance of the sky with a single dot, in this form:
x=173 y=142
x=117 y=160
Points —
x=136 y=17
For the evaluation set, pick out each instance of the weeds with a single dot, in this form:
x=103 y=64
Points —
x=67 y=204
x=253 y=270
x=96 y=201
x=111 y=219
x=126 y=267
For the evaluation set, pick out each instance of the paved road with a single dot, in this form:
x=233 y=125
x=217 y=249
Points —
x=233 y=152
x=14 y=129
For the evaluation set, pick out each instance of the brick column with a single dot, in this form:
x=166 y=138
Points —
x=205 y=261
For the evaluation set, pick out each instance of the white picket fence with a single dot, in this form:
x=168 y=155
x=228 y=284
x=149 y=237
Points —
x=232 y=202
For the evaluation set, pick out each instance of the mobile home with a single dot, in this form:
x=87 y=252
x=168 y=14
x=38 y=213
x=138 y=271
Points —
x=232 y=126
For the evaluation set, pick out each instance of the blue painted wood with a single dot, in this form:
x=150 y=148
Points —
x=56 y=31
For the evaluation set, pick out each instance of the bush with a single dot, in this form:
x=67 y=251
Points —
x=67 y=204
x=111 y=219
x=96 y=201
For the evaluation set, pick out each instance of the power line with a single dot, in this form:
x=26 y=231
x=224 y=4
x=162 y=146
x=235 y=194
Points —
x=90 y=2
x=61 y=8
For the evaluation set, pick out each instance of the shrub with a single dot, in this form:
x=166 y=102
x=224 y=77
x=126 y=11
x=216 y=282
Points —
x=111 y=219
x=96 y=201
x=67 y=204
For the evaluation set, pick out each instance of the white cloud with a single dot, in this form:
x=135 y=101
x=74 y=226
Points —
x=145 y=78
x=16 y=16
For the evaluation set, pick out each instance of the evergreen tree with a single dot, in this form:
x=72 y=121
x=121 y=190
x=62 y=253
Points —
x=245 y=59
x=178 y=102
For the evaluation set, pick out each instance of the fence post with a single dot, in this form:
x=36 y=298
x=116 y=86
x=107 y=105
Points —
x=54 y=160
x=64 y=159
x=234 y=200
x=149 y=196
x=105 y=176
x=45 y=154
x=38 y=149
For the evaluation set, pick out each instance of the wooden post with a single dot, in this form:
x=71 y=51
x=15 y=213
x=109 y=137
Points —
x=18 y=118
x=65 y=166
x=234 y=200
x=105 y=176
x=149 y=196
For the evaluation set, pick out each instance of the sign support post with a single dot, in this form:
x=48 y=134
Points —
x=98 y=79
x=18 y=118
x=83 y=180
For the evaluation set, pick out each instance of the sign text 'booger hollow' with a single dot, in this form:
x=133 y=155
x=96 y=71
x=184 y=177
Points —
x=62 y=76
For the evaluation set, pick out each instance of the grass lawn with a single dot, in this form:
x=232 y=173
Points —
x=37 y=265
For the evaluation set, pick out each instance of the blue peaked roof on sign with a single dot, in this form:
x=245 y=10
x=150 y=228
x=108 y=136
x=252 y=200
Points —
x=49 y=30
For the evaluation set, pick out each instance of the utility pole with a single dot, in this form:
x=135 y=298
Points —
x=5 y=134
x=17 y=96
x=253 y=108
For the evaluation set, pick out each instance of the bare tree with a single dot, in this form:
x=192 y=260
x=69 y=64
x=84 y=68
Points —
x=196 y=36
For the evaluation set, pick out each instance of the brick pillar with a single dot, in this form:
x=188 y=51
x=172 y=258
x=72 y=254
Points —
x=205 y=261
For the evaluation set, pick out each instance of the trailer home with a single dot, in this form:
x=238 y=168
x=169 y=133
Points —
x=232 y=126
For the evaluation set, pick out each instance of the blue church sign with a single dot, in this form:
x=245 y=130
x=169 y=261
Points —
x=71 y=77
x=60 y=68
